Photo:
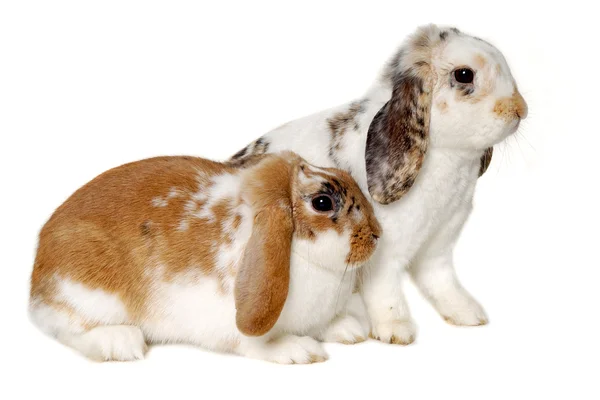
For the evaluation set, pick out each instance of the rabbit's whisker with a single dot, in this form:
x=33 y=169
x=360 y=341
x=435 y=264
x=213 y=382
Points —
x=340 y=287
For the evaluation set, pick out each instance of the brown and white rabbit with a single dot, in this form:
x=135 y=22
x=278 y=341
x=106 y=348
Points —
x=251 y=259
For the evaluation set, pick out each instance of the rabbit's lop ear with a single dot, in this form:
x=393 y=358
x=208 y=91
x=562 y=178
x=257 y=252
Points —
x=486 y=160
x=398 y=135
x=397 y=140
x=262 y=281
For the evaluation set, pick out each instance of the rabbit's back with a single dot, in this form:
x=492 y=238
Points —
x=135 y=232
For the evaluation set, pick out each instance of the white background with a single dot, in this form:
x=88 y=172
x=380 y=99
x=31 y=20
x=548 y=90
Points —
x=86 y=86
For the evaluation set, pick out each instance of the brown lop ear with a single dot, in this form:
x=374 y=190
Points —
x=486 y=160
x=397 y=139
x=262 y=281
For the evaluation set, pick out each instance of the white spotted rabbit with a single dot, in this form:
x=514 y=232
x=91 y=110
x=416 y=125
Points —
x=417 y=141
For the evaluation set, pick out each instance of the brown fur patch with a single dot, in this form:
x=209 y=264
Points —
x=263 y=278
x=362 y=242
x=442 y=106
x=480 y=61
x=108 y=234
x=509 y=108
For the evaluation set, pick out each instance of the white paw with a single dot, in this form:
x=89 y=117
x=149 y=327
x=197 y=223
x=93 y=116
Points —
x=112 y=343
x=345 y=329
x=290 y=349
x=396 y=332
x=463 y=312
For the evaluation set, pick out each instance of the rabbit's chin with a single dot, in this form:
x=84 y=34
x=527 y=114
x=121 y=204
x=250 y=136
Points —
x=329 y=251
x=510 y=129
x=514 y=126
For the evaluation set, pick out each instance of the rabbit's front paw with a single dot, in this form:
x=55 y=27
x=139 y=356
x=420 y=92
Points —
x=110 y=343
x=345 y=329
x=394 y=332
x=463 y=311
x=289 y=349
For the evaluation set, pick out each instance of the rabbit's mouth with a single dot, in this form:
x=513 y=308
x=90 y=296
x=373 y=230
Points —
x=513 y=126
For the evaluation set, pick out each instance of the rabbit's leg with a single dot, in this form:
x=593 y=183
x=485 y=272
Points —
x=76 y=307
x=350 y=326
x=283 y=349
x=108 y=343
x=71 y=326
x=386 y=305
x=433 y=272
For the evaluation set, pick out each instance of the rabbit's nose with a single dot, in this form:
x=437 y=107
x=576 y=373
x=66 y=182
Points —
x=510 y=108
x=520 y=105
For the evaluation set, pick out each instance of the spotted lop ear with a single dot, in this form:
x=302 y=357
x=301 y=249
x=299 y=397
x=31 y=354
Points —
x=486 y=160
x=262 y=281
x=397 y=138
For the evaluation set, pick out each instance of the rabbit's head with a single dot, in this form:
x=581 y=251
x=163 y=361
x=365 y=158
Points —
x=449 y=90
x=320 y=214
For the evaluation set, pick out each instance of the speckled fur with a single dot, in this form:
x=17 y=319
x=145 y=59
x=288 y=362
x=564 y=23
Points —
x=418 y=146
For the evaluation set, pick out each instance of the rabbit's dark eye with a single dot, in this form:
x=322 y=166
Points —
x=322 y=203
x=464 y=75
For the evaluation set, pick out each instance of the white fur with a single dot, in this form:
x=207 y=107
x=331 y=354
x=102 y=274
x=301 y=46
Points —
x=221 y=187
x=108 y=342
x=345 y=328
x=230 y=255
x=159 y=202
x=319 y=294
x=285 y=349
x=190 y=309
x=421 y=229
x=173 y=193
x=193 y=309
x=50 y=321
x=98 y=306
x=79 y=306
x=328 y=251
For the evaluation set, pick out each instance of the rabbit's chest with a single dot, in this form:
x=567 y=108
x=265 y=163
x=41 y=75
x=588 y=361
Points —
x=439 y=202
x=315 y=295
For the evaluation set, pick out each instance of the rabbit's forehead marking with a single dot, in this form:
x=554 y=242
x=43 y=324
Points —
x=312 y=178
